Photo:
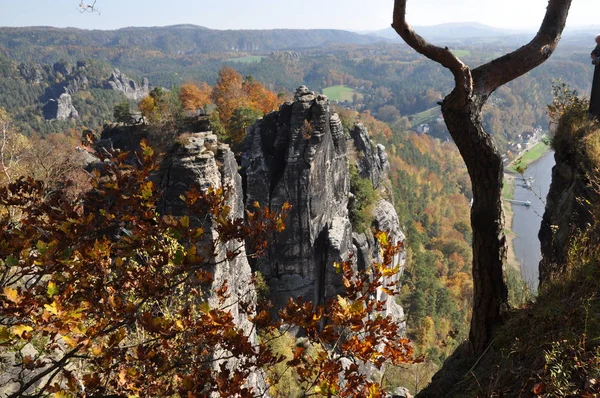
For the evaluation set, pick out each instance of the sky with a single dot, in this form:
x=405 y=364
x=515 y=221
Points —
x=355 y=15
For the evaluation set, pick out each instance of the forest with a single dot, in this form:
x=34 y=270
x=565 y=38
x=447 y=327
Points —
x=108 y=289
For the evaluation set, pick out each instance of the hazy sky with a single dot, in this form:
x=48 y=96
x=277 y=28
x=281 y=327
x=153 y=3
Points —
x=268 y=14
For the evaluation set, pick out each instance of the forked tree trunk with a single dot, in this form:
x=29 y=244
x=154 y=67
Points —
x=462 y=113
x=485 y=168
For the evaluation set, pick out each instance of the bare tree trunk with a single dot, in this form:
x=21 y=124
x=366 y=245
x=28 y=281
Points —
x=462 y=113
x=485 y=168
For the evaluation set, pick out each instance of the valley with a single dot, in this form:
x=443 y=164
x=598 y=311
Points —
x=188 y=211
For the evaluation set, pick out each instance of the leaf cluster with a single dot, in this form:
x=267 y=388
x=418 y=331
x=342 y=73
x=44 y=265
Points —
x=119 y=299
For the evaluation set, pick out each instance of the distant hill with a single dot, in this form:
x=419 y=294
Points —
x=178 y=39
x=473 y=32
x=453 y=31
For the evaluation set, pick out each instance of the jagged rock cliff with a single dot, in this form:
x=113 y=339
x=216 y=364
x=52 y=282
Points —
x=61 y=108
x=299 y=155
x=120 y=82
x=568 y=207
x=203 y=162
x=373 y=163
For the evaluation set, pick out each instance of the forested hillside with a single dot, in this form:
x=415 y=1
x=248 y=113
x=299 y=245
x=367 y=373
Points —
x=193 y=142
x=391 y=81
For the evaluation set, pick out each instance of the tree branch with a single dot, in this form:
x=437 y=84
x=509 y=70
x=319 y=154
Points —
x=490 y=76
x=57 y=365
x=443 y=56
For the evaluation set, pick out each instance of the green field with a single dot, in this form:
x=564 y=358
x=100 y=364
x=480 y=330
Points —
x=425 y=116
x=247 y=60
x=340 y=93
x=461 y=53
x=529 y=157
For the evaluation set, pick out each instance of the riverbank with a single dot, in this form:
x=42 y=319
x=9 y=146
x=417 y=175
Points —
x=528 y=157
x=522 y=222
x=508 y=193
x=514 y=170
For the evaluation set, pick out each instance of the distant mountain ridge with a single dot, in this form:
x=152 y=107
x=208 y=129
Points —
x=181 y=39
x=453 y=30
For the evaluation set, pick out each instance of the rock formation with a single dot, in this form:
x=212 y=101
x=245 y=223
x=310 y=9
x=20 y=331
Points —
x=120 y=82
x=60 y=109
x=77 y=83
x=299 y=155
x=372 y=163
x=203 y=162
x=32 y=73
x=567 y=210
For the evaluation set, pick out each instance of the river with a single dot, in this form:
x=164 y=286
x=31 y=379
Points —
x=527 y=220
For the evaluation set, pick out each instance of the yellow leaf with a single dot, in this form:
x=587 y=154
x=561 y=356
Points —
x=374 y=391
x=185 y=221
x=97 y=349
x=343 y=303
x=338 y=267
x=382 y=237
x=357 y=307
x=12 y=295
x=51 y=308
x=18 y=330
x=391 y=271
x=70 y=341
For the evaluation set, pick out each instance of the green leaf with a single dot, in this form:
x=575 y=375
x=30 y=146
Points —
x=52 y=289
x=11 y=261
x=4 y=334
x=178 y=257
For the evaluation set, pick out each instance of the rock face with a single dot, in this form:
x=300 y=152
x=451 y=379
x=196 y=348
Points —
x=204 y=163
x=32 y=73
x=77 y=83
x=299 y=155
x=385 y=218
x=372 y=163
x=120 y=82
x=60 y=109
x=567 y=210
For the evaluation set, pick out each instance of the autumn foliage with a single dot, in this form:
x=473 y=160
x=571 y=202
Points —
x=114 y=296
x=234 y=95
x=195 y=97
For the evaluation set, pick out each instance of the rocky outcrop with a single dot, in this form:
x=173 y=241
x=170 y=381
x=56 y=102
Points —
x=61 y=108
x=299 y=155
x=372 y=161
x=64 y=68
x=567 y=211
x=120 y=82
x=77 y=83
x=32 y=73
x=203 y=162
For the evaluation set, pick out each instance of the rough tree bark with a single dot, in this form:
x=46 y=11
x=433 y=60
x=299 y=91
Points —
x=462 y=113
